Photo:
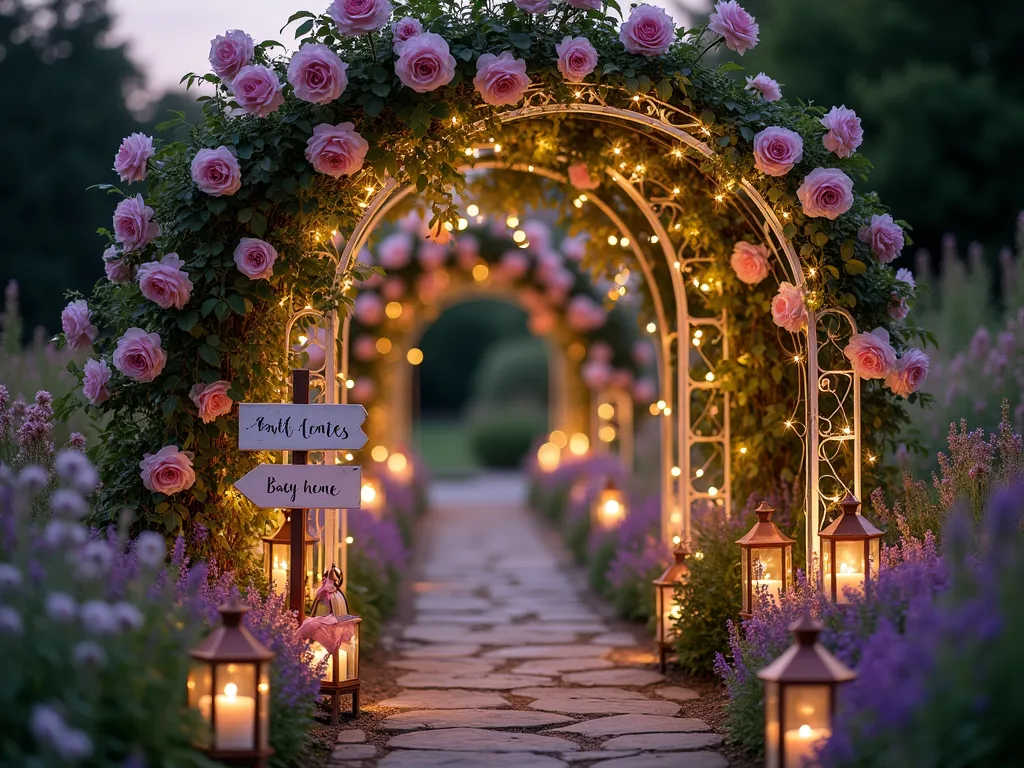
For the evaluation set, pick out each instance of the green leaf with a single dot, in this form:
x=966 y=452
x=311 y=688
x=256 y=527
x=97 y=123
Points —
x=731 y=66
x=245 y=215
x=208 y=306
x=664 y=89
x=237 y=304
x=421 y=183
x=259 y=225
x=222 y=310
x=187 y=320
x=304 y=28
x=521 y=40
x=381 y=89
x=855 y=267
x=217 y=205
x=847 y=250
x=209 y=355
x=819 y=239
x=170 y=405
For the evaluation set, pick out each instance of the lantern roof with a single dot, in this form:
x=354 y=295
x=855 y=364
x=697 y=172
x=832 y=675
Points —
x=283 y=535
x=231 y=642
x=851 y=525
x=678 y=572
x=764 y=533
x=806 y=661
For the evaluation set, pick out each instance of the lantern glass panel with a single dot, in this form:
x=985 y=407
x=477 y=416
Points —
x=611 y=509
x=277 y=563
x=200 y=683
x=874 y=549
x=806 y=721
x=264 y=705
x=669 y=612
x=772 y=746
x=234 y=707
x=849 y=568
x=767 y=571
x=746 y=578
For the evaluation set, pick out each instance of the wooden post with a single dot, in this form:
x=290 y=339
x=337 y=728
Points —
x=297 y=577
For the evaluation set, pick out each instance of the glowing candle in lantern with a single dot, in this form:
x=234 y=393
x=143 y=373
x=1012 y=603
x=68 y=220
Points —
x=235 y=718
x=800 y=743
x=279 y=575
x=848 y=578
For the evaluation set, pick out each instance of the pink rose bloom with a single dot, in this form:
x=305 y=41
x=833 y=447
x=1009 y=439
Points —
x=622 y=378
x=577 y=58
x=165 y=283
x=216 y=171
x=908 y=373
x=74 y=321
x=94 y=382
x=467 y=251
x=596 y=375
x=134 y=227
x=541 y=323
x=575 y=248
x=788 y=310
x=432 y=256
x=317 y=74
x=601 y=352
x=583 y=315
x=255 y=258
x=425 y=63
x=643 y=352
x=898 y=307
x=533 y=6
x=645 y=391
x=404 y=29
x=884 y=236
x=906 y=276
x=257 y=90
x=365 y=348
x=138 y=355
x=769 y=89
x=211 y=399
x=870 y=354
x=648 y=31
x=777 y=150
x=514 y=265
x=586 y=5
x=395 y=251
x=118 y=272
x=168 y=471
x=230 y=52
x=357 y=17
x=749 y=262
x=538 y=235
x=132 y=157
x=826 y=192
x=501 y=80
x=844 y=131
x=394 y=289
x=363 y=391
x=336 y=150
x=734 y=24
x=368 y=309
x=580 y=178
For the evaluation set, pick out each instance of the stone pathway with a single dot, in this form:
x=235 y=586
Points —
x=506 y=665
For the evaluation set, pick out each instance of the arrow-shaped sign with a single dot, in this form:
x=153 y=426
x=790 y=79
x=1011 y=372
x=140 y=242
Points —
x=284 y=427
x=316 y=486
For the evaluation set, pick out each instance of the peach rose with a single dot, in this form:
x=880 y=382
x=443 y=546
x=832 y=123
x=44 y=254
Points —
x=255 y=258
x=216 y=171
x=75 y=323
x=579 y=177
x=788 y=310
x=577 y=58
x=908 y=373
x=336 y=150
x=501 y=80
x=648 y=31
x=257 y=90
x=750 y=262
x=844 y=131
x=870 y=354
x=165 y=283
x=133 y=156
x=134 y=227
x=211 y=399
x=317 y=74
x=769 y=89
x=94 y=381
x=734 y=24
x=826 y=192
x=777 y=150
x=230 y=52
x=138 y=355
x=168 y=471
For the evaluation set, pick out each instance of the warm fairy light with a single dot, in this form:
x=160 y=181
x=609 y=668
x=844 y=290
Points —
x=743 y=449
x=712 y=491
x=480 y=272
x=719 y=198
x=463 y=223
x=636 y=97
x=661 y=405
x=613 y=240
x=789 y=424
x=622 y=277
x=578 y=203
x=548 y=457
x=640 y=168
x=785 y=214
x=559 y=438
x=584 y=198
x=676 y=540
x=393 y=309
x=697 y=334
x=705 y=287
x=519 y=236
x=468 y=151
x=698 y=555
x=667 y=411
x=414 y=356
x=473 y=210
x=676 y=471
x=302 y=339
x=699 y=473
x=606 y=434
x=709 y=376
x=675 y=190
x=397 y=463
x=449 y=227
x=654 y=239
x=349 y=457
x=455 y=120
x=651 y=327
x=349 y=540
x=529 y=168
x=368 y=494
x=696 y=282
x=350 y=383
x=846 y=430
x=579 y=444
x=677 y=153
x=578 y=94
x=654 y=409
x=497 y=149
x=606 y=411
x=812 y=271
x=616 y=151
x=379 y=453
x=383 y=346
x=696 y=341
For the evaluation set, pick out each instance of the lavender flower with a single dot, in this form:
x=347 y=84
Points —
x=150 y=549
x=61 y=607
x=88 y=654
x=10 y=621
x=10 y=576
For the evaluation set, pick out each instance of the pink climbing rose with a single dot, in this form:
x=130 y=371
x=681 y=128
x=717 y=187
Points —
x=257 y=90
x=358 y=17
x=75 y=323
x=898 y=307
x=138 y=355
x=871 y=354
x=533 y=6
x=826 y=192
x=230 y=52
x=96 y=376
x=577 y=58
x=788 y=310
x=425 y=63
x=750 y=262
x=579 y=177
x=769 y=89
x=216 y=171
x=501 y=80
x=134 y=227
x=211 y=399
x=844 y=131
x=884 y=236
x=133 y=156
x=317 y=74
x=165 y=283
x=908 y=373
x=403 y=30
x=168 y=471
x=585 y=5
x=368 y=308
x=648 y=31
x=117 y=270
x=336 y=150
x=255 y=258
x=777 y=150
x=395 y=251
x=734 y=24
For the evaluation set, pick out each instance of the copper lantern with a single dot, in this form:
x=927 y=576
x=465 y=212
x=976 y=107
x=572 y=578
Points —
x=277 y=559
x=609 y=508
x=766 y=558
x=800 y=698
x=667 y=607
x=849 y=552
x=229 y=685
x=339 y=630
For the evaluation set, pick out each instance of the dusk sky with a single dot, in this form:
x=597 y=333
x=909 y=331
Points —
x=168 y=38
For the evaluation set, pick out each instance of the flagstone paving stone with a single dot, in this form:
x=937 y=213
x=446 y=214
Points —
x=408 y=758
x=677 y=693
x=618 y=725
x=441 y=650
x=480 y=740
x=548 y=652
x=620 y=676
x=484 y=682
x=425 y=719
x=664 y=742
x=447 y=666
x=353 y=752
x=352 y=736
x=594 y=701
x=616 y=639
x=445 y=699
x=668 y=760
x=559 y=666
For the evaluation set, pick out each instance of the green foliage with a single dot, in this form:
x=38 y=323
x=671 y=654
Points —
x=501 y=438
x=711 y=597
x=513 y=374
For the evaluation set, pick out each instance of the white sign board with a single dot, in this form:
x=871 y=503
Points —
x=316 y=486
x=284 y=427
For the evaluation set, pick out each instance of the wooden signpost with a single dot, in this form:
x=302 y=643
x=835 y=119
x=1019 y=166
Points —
x=323 y=486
